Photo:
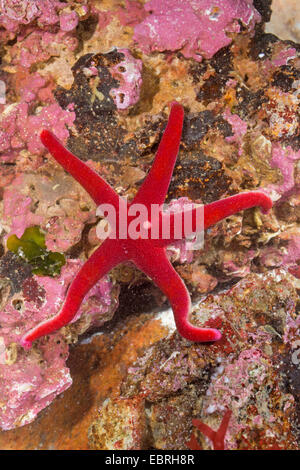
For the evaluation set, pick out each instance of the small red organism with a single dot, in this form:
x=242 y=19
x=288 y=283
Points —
x=217 y=437
x=295 y=271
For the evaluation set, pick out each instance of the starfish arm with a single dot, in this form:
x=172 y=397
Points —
x=220 y=434
x=98 y=189
x=217 y=437
x=193 y=444
x=157 y=266
x=205 y=429
x=223 y=208
x=108 y=255
x=156 y=184
x=203 y=217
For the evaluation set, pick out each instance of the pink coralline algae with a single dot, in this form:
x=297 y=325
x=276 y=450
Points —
x=128 y=73
x=63 y=232
x=287 y=254
x=284 y=159
x=132 y=14
x=31 y=86
x=251 y=363
x=14 y=13
x=196 y=28
x=19 y=129
x=43 y=29
x=30 y=381
x=292 y=255
x=68 y=21
x=39 y=46
x=282 y=57
x=16 y=210
x=56 y=204
x=239 y=128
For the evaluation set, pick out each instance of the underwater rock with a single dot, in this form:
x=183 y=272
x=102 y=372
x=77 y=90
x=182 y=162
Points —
x=197 y=29
x=59 y=66
x=31 y=380
x=179 y=381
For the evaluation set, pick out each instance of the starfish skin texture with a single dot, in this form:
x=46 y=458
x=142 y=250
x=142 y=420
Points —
x=149 y=255
x=217 y=437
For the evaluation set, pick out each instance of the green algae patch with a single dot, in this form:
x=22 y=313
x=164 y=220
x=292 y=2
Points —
x=31 y=247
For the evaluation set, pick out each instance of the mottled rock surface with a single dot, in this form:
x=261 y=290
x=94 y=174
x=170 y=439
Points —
x=92 y=73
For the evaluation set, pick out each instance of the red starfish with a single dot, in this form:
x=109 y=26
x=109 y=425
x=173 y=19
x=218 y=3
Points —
x=149 y=255
x=217 y=437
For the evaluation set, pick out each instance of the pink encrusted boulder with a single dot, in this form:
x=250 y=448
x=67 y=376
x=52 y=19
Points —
x=16 y=210
x=284 y=159
x=42 y=29
x=239 y=128
x=39 y=46
x=50 y=199
x=198 y=28
x=129 y=73
x=14 y=13
x=20 y=128
x=123 y=83
x=244 y=373
x=31 y=380
x=69 y=20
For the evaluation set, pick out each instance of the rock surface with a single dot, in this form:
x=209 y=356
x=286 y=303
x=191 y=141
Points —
x=91 y=73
